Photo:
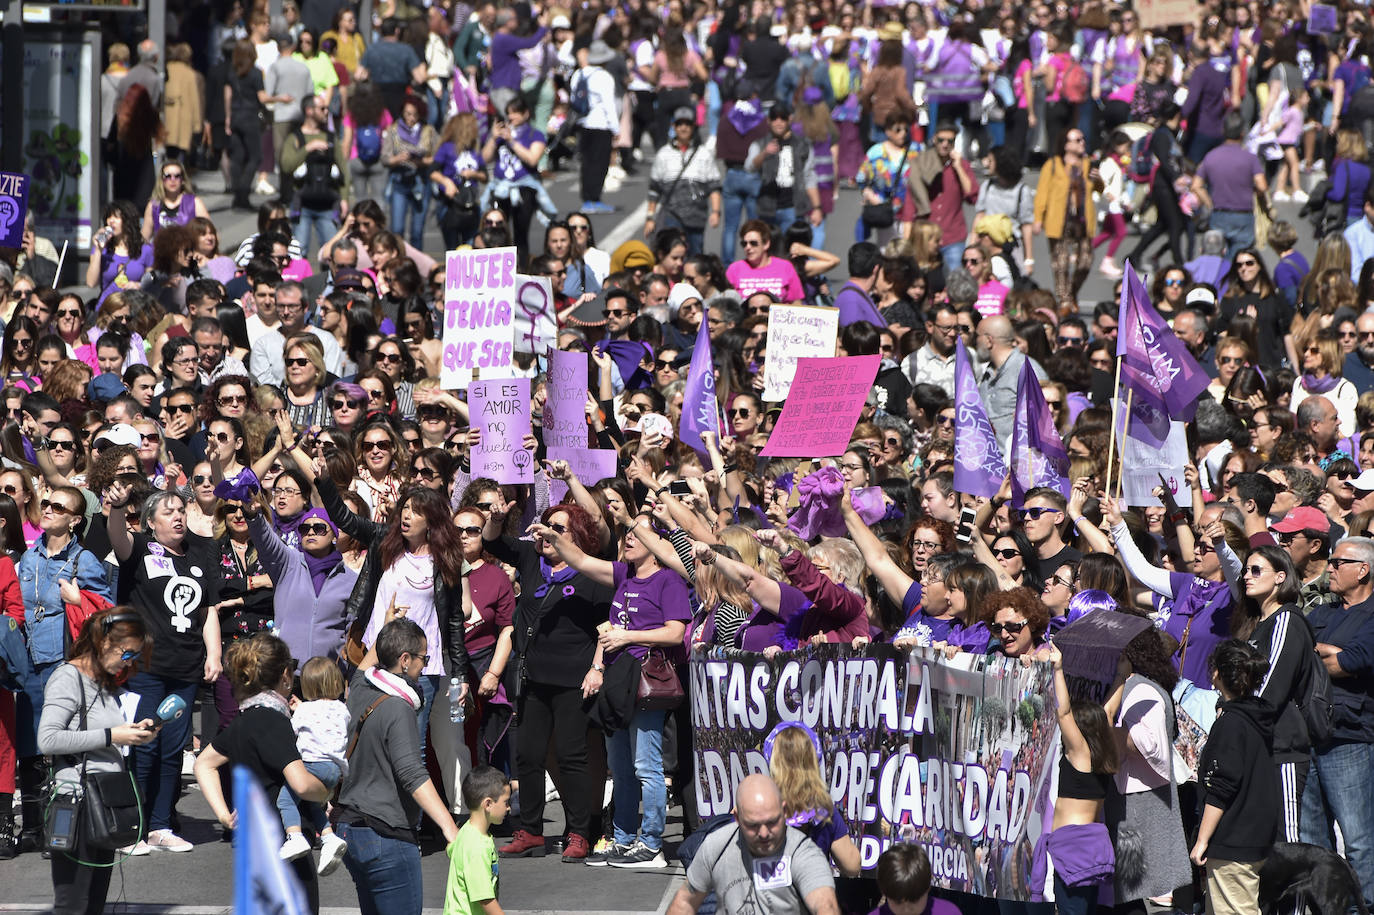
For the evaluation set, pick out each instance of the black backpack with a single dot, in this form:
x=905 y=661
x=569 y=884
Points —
x=318 y=190
x=1314 y=695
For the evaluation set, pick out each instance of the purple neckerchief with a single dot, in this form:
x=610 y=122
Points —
x=627 y=356
x=241 y=487
x=552 y=578
x=1314 y=385
x=409 y=135
x=286 y=529
x=746 y=115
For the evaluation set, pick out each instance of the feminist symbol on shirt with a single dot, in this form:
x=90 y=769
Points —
x=182 y=595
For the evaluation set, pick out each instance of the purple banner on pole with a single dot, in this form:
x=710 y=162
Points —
x=14 y=205
x=565 y=411
x=700 y=409
x=979 y=466
x=1038 y=457
x=500 y=408
x=1155 y=365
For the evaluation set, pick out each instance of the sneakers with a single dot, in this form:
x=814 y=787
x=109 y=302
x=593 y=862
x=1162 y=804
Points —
x=332 y=850
x=295 y=846
x=166 y=840
x=576 y=849
x=1280 y=197
x=265 y=187
x=604 y=851
x=596 y=208
x=137 y=850
x=1300 y=196
x=524 y=845
x=1109 y=268
x=639 y=855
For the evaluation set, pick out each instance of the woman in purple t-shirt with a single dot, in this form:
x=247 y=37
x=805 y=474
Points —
x=650 y=610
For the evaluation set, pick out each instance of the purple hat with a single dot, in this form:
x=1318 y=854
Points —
x=322 y=515
x=811 y=95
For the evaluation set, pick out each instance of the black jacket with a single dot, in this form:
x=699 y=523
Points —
x=1238 y=775
x=448 y=601
x=1286 y=640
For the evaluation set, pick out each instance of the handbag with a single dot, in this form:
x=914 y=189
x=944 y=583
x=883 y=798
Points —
x=110 y=812
x=881 y=215
x=659 y=686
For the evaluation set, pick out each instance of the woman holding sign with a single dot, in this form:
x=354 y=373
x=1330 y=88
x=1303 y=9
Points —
x=416 y=564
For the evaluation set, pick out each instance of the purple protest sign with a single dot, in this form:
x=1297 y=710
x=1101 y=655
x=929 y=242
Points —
x=822 y=407
x=1321 y=19
x=479 y=315
x=591 y=465
x=979 y=466
x=14 y=205
x=1155 y=365
x=700 y=409
x=565 y=410
x=1038 y=457
x=500 y=410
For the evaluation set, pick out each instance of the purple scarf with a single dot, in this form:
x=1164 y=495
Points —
x=1314 y=385
x=319 y=566
x=409 y=135
x=745 y=116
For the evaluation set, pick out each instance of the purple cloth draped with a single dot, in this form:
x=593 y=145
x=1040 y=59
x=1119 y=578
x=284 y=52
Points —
x=979 y=467
x=1038 y=457
x=700 y=409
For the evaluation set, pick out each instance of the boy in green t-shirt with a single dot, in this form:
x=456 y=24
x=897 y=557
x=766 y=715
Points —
x=473 y=878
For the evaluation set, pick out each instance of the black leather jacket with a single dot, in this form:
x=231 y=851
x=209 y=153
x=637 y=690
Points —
x=448 y=600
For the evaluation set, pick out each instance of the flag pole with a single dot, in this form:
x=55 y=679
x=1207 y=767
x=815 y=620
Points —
x=1122 y=471
x=1116 y=406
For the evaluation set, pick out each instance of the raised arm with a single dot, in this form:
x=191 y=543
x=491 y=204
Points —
x=600 y=571
x=764 y=590
x=561 y=470
x=352 y=524
x=894 y=581
x=117 y=523
x=1152 y=577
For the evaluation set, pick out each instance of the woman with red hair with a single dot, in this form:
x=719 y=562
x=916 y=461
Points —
x=553 y=671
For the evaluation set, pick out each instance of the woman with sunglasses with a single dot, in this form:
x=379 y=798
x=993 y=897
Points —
x=382 y=463
x=1013 y=559
x=18 y=485
x=246 y=594
x=1018 y=621
x=1168 y=289
x=1249 y=290
x=307 y=406
x=202 y=508
x=1322 y=369
x=347 y=405
x=18 y=354
x=394 y=360
x=112 y=644
x=1232 y=354
x=173 y=203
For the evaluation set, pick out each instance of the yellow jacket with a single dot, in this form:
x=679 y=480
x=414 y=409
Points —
x=183 y=105
x=1052 y=198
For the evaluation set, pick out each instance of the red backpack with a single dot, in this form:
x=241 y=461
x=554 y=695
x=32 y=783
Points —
x=1074 y=83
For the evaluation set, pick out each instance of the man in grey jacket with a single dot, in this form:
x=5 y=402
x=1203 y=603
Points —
x=788 y=186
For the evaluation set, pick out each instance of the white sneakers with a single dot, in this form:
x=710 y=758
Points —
x=332 y=850
x=295 y=846
x=166 y=840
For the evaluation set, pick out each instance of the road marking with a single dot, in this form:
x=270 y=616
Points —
x=628 y=228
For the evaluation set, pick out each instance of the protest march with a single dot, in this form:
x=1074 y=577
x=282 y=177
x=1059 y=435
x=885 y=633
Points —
x=447 y=445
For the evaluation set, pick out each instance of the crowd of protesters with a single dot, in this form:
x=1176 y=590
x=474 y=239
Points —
x=253 y=449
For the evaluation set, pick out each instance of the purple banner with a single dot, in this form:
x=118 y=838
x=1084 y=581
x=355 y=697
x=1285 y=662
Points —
x=14 y=205
x=589 y=464
x=1038 y=457
x=565 y=410
x=500 y=409
x=979 y=466
x=1155 y=365
x=700 y=409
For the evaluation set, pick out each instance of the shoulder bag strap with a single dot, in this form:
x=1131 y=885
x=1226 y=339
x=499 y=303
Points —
x=668 y=197
x=353 y=742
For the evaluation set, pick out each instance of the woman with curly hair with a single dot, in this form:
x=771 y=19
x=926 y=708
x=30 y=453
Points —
x=66 y=382
x=173 y=267
x=1018 y=619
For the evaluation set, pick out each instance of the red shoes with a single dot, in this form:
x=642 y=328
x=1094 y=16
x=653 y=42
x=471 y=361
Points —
x=524 y=845
x=576 y=849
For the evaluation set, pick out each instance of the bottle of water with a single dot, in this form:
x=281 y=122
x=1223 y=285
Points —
x=456 y=713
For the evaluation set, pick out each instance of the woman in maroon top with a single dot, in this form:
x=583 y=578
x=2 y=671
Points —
x=489 y=608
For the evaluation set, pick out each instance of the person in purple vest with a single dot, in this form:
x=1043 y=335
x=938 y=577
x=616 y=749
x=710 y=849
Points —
x=955 y=81
x=172 y=203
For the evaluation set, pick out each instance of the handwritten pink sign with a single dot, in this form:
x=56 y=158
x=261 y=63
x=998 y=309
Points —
x=479 y=315
x=822 y=406
x=500 y=408
x=590 y=464
x=565 y=411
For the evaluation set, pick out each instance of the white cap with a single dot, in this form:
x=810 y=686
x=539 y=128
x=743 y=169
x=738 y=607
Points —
x=121 y=434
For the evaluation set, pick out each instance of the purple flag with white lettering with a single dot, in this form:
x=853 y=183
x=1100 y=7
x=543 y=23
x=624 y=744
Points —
x=700 y=411
x=979 y=466
x=1155 y=365
x=1038 y=457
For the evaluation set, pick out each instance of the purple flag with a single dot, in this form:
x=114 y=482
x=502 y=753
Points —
x=1038 y=457
x=700 y=411
x=1155 y=365
x=979 y=466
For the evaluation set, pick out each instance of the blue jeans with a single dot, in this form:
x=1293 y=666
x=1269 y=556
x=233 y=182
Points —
x=740 y=191
x=1337 y=788
x=953 y=257
x=323 y=223
x=292 y=808
x=385 y=871
x=414 y=199
x=157 y=764
x=696 y=238
x=783 y=220
x=1238 y=228
x=636 y=758
x=1201 y=145
x=713 y=106
x=429 y=685
x=1074 y=900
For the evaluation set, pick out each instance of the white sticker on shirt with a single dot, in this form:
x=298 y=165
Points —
x=159 y=567
x=182 y=597
x=772 y=873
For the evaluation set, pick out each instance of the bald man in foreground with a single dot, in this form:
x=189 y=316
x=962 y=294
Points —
x=760 y=864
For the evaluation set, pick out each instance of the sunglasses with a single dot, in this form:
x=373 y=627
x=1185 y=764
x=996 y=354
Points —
x=972 y=261
x=739 y=412
x=558 y=528
x=661 y=365
x=383 y=445
x=751 y=243
x=228 y=400
x=1007 y=553
x=58 y=445
x=1173 y=282
x=1069 y=341
x=221 y=437
x=1337 y=562
x=493 y=223
x=1009 y=628
x=433 y=411
x=1058 y=581
x=483 y=506
x=57 y=507
x=1033 y=513
x=1247 y=263
x=69 y=313
x=1255 y=571
x=470 y=531
x=426 y=473
x=613 y=312
x=945 y=420
x=1230 y=360
x=168 y=176
x=343 y=405
x=298 y=363
x=579 y=227
x=128 y=656
x=200 y=479
x=389 y=357
x=313 y=530
x=149 y=438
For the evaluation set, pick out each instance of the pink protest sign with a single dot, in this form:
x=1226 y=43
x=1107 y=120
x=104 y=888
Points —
x=565 y=411
x=500 y=410
x=479 y=315
x=823 y=406
x=590 y=465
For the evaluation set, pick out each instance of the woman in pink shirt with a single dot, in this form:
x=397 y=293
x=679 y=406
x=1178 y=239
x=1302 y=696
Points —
x=760 y=271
